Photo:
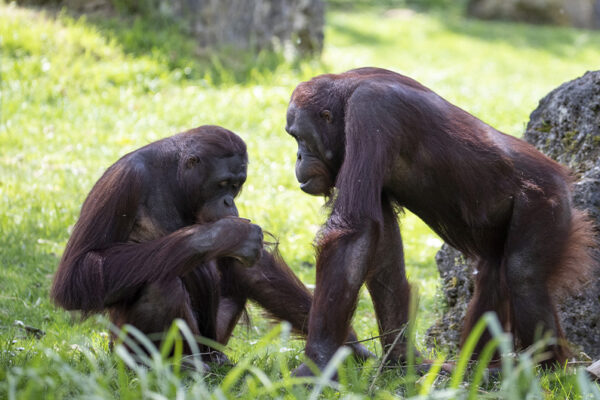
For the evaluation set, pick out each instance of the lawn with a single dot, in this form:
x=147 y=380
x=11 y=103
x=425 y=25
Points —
x=78 y=93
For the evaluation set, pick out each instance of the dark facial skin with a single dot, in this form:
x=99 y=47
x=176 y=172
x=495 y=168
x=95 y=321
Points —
x=220 y=189
x=314 y=163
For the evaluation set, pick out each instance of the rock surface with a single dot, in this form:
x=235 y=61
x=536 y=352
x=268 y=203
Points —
x=254 y=25
x=577 y=13
x=566 y=124
x=456 y=273
x=566 y=127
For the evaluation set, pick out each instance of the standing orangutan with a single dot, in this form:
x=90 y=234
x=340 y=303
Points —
x=159 y=238
x=374 y=140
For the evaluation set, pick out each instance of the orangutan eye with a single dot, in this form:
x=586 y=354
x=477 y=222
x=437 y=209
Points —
x=190 y=162
x=326 y=115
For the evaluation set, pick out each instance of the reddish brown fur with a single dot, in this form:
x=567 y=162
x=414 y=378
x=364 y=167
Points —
x=108 y=216
x=575 y=266
x=147 y=248
x=492 y=196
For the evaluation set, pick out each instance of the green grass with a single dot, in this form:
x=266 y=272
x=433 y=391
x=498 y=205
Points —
x=76 y=94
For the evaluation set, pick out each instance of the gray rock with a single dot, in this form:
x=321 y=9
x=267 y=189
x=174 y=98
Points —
x=566 y=127
x=456 y=273
x=254 y=25
x=587 y=193
x=566 y=124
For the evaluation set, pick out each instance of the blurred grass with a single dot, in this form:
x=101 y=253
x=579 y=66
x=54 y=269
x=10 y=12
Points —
x=76 y=94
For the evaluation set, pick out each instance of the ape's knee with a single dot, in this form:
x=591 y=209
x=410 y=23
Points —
x=158 y=305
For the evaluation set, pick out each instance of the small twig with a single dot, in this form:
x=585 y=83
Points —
x=376 y=337
x=385 y=357
x=570 y=363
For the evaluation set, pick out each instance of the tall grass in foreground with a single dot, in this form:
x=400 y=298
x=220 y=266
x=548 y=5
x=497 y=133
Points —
x=145 y=371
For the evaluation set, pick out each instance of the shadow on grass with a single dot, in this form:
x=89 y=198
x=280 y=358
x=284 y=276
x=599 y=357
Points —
x=172 y=43
x=358 y=36
x=162 y=38
x=560 y=41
